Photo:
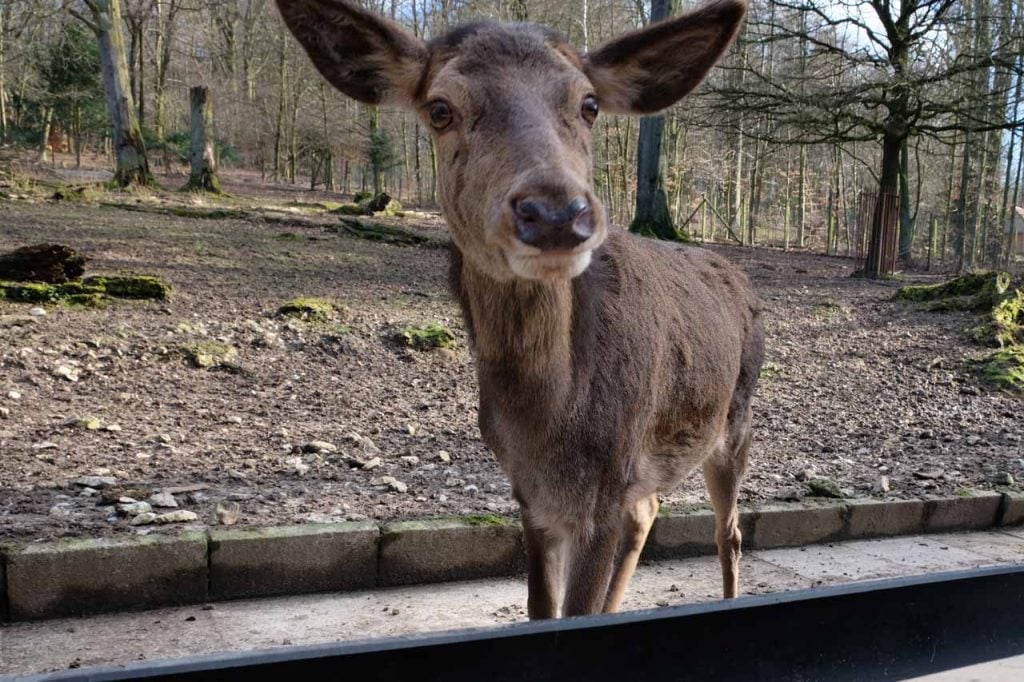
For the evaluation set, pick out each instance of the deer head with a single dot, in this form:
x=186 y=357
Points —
x=512 y=107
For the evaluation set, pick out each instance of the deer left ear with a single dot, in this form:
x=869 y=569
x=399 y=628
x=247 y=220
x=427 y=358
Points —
x=653 y=68
x=366 y=56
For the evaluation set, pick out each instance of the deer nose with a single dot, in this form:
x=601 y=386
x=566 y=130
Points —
x=542 y=223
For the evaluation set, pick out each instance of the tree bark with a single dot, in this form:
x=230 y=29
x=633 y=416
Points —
x=203 y=176
x=652 y=215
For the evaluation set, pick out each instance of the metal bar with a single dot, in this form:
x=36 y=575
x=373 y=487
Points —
x=893 y=629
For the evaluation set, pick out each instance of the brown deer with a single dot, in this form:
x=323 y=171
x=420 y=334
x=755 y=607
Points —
x=610 y=366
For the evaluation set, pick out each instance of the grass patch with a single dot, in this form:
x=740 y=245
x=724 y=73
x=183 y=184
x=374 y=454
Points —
x=426 y=338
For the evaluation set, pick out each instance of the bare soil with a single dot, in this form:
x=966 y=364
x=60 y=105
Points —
x=856 y=387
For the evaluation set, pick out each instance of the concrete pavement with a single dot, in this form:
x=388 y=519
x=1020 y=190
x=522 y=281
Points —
x=253 y=624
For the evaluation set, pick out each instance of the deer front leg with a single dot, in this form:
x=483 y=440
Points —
x=545 y=563
x=635 y=529
x=591 y=562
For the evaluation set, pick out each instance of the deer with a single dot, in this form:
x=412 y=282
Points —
x=610 y=366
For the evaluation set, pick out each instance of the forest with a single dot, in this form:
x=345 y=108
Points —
x=825 y=120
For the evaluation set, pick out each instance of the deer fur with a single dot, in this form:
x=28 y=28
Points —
x=610 y=366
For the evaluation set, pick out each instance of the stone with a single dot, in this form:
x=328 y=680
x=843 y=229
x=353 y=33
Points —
x=5 y=412
x=790 y=526
x=805 y=474
x=67 y=373
x=292 y=560
x=881 y=485
x=133 y=509
x=228 y=512
x=878 y=518
x=179 y=516
x=75 y=577
x=825 y=487
x=37 y=312
x=436 y=551
x=929 y=474
x=398 y=486
x=969 y=511
x=372 y=464
x=163 y=500
x=1002 y=478
x=144 y=519
x=444 y=456
x=297 y=466
x=471 y=490
x=410 y=460
x=97 y=482
x=973 y=440
x=319 y=447
x=14 y=395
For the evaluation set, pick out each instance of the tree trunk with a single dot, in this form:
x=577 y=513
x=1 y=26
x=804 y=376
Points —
x=888 y=184
x=203 y=176
x=44 y=147
x=131 y=165
x=906 y=221
x=652 y=216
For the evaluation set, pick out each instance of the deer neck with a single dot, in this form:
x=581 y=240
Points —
x=522 y=332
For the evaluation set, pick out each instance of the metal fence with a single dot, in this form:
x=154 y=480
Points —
x=886 y=207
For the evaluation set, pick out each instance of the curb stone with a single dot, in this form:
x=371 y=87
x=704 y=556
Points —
x=449 y=549
x=76 y=577
x=254 y=562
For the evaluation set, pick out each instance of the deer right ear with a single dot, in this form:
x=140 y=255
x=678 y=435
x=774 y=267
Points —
x=366 y=56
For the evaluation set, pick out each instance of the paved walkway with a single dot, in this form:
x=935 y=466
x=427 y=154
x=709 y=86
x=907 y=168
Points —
x=167 y=633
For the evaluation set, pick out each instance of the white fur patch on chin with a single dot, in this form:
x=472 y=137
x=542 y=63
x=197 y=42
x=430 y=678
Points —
x=550 y=267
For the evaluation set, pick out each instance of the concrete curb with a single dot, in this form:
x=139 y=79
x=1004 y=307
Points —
x=78 y=577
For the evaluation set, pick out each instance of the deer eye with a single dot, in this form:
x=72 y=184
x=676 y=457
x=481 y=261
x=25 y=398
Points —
x=590 y=109
x=440 y=115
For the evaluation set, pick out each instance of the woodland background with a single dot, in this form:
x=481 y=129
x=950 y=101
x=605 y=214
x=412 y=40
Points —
x=817 y=104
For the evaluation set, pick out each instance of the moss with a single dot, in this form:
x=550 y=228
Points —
x=95 y=301
x=362 y=196
x=769 y=370
x=972 y=291
x=1003 y=326
x=211 y=354
x=830 y=311
x=139 y=287
x=1005 y=369
x=313 y=309
x=824 y=487
x=289 y=237
x=485 y=520
x=426 y=338
x=29 y=292
x=352 y=209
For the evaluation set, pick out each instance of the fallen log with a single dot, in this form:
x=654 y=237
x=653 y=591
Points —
x=379 y=232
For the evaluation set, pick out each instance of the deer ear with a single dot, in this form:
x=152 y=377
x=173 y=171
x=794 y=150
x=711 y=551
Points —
x=366 y=56
x=651 y=69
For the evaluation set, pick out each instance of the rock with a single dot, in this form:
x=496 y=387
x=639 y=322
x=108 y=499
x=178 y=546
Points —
x=65 y=372
x=398 y=486
x=134 y=508
x=319 y=447
x=113 y=428
x=806 y=474
x=453 y=482
x=825 y=487
x=37 y=312
x=372 y=464
x=60 y=510
x=179 y=516
x=471 y=490
x=929 y=474
x=5 y=412
x=412 y=428
x=95 y=481
x=87 y=423
x=14 y=395
x=1002 y=478
x=881 y=485
x=791 y=494
x=89 y=492
x=444 y=456
x=45 y=445
x=228 y=513
x=297 y=466
x=973 y=440
x=163 y=500
x=144 y=519
x=411 y=460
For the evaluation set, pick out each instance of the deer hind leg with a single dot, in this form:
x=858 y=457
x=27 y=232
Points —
x=545 y=559
x=723 y=473
x=638 y=524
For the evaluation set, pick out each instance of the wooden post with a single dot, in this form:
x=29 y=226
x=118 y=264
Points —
x=203 y=175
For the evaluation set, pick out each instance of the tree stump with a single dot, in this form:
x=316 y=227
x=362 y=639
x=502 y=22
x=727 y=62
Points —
x=203 y=175
x=51 y=263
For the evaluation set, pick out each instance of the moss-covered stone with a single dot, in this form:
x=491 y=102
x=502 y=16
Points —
x=972 y=291
x=1003 y=325
x=426 y=338
x=312 y=309
x=211 y=354
x=352 y=209
x=29 y=292
x=140 y=287
x=86 y=300
x=486 y=520
x=1005 y=369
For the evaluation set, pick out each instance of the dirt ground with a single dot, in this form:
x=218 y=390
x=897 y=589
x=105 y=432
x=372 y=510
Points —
x=856 y=387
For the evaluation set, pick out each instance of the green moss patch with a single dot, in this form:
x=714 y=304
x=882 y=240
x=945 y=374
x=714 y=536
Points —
x=426 y=338
x=139 y=287
x=972 y=291
x=1005 y=369
x=1003 y=325
x=211 y=355
x=312 y=309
